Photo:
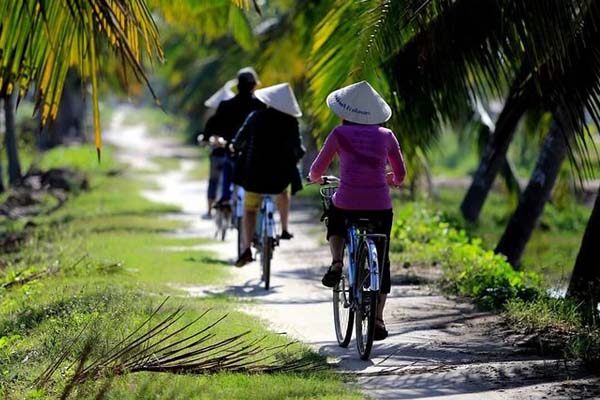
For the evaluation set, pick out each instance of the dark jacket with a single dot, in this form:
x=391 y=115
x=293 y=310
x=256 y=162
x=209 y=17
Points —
x=271 y=147
x=209 y=130
x=230 y=116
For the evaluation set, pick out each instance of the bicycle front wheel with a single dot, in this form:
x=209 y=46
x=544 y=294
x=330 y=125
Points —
x=266 y=255
x=366 y=304
x=343 y=314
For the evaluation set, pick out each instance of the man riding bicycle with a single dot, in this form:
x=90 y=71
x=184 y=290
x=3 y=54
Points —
x=229 y=117
x=217 y=144
x=364 y=149
x=270 y=146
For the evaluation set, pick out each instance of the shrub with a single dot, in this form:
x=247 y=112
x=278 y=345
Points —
x=421 y=234
x=469 y=269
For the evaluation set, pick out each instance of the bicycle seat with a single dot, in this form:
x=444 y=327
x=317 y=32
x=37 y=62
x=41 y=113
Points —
x=362 y=223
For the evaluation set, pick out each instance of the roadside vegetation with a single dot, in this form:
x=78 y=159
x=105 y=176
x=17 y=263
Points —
x=509 y=90
x=86 y=276
x=428 y=237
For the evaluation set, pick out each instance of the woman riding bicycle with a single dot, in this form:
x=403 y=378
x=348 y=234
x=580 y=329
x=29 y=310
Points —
x=271 y=148
x=364 y=149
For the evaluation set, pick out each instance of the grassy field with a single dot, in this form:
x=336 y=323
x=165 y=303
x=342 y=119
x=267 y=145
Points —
x=107 y=266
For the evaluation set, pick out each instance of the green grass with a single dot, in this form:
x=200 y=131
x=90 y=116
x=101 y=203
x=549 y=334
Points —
x=553 y=247
x=558 y=326
x=232 y=386
x=423 y=235
x=451 y=158
x=545 y=314
x=111 y=250
x=202 y=172
x=157 y=122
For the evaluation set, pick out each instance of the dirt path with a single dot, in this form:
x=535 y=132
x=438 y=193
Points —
x=438 y=348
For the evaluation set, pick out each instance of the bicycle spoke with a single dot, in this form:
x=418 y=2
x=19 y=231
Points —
x=343 y=313
x=366 y=305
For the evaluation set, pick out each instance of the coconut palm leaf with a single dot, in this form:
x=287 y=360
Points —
x=208 y=20
x=438 y=55
x=573 y=86
x=166 y=345
x=41 y=39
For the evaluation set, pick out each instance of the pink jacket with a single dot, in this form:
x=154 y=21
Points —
x=364 y=151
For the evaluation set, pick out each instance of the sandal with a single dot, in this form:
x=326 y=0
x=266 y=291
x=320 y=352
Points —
x=245 y=258
x=380 y=332
x=333 y=274
x=285 y=235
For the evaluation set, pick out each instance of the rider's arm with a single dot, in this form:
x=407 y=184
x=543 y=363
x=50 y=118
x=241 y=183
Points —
x=244 y=133
x=324 y=158
x=396 y=160
x=209 y=129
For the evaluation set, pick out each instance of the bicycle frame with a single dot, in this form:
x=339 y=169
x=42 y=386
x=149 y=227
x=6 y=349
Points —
x=355 y=238
x=357 y=303
x=266 y=237
x=238 y=196
x=266 y=220
x=351 y=245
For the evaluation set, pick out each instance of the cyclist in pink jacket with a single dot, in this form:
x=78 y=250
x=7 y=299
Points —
x=364 y=149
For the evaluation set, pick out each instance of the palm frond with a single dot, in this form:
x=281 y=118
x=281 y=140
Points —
x=572 y=85
x=208 y=19
x=41 y=39
x=166 y=345
x=467 y=49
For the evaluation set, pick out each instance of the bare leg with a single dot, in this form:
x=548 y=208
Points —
x=249 y=226
x=336 y=245
x=283 y=205
x=211 y=202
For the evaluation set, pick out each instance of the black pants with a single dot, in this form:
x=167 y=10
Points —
x=338 y=221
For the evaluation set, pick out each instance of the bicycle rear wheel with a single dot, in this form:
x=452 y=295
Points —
x=223 y=232
x=266 y=255
x=366 y=305
x=220 y=224
x=343 y=314
x=238 y=227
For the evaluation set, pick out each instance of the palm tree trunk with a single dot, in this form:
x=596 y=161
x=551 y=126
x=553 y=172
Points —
x=584 y=286
x=2 y=188
x=10 y=140
x=68 y=125
x=507 y=170
x=494 y=155
x=536 y=194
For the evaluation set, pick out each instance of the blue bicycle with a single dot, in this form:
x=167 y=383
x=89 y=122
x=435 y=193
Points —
x=238 y=214
x=356 y=295
x=266 y=238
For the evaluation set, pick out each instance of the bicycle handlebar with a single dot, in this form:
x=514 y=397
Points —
x=325 y=180
x=330 y=179
x=213 y=141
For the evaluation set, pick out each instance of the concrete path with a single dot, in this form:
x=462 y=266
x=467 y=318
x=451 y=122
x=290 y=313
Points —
x=438 y=348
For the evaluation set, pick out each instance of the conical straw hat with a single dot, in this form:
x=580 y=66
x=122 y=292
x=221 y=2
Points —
x=225 y=93
x=359 y=103
x=280 y=97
